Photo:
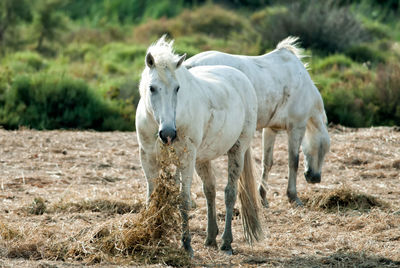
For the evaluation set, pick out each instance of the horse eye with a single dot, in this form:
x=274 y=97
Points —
x=177 y=89
x=152 y=89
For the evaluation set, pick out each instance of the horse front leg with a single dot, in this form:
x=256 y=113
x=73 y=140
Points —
x=235 y=168
x=151 y=170
x=205 y=173
x=177 y=179
x=295 y=136
x=187 y=170
x=267 y=160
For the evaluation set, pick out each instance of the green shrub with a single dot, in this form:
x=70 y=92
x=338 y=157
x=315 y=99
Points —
x=95 y=36
x=120 y=52
x=12 y=14
x=364 y=53
x=337 y=62
x=269 y=24
x=152 y=29
x=121 y=11
x=213 y=24
x=51 y=102
x=188 y=45
x=48 y=23
x=387 y=94
x=77 y=51
x=349 y=107
x=376 y=29
x=324 y=26
x=348 y=96
x=214 y=21
x=131 y=53
x=31 y=59
x=113 y=68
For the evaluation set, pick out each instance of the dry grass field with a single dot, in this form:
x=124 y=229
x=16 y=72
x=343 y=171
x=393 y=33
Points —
x=56 y=185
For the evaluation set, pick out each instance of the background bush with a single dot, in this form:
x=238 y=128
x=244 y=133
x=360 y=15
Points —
x=387 y=94
x=44 y=102
x=324 y=26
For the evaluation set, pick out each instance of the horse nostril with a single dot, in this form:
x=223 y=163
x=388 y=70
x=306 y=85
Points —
x=167 y=134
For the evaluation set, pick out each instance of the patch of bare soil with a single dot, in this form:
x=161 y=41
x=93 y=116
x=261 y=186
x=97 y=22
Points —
x=62 y=186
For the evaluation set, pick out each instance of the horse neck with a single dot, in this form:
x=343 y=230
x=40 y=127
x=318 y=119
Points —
x=186 y=80
x=191 y=96
x=183 y=75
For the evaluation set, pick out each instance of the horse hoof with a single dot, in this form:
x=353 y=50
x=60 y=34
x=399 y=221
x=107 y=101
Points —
x=297 y=202
x=294 y=199
x=228 y=252
x=188 y=248
x=190 y=252
x=227 y=249
x=264 y=203
x=211 y=243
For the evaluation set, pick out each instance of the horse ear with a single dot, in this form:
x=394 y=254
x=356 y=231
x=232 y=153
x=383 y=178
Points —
x=150 y=60
x=180 y=61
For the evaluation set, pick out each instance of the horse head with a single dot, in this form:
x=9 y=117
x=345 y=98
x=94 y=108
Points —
x=160 y=86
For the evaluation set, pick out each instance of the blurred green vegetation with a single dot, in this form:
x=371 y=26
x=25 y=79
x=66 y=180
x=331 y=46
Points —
x=76 y=64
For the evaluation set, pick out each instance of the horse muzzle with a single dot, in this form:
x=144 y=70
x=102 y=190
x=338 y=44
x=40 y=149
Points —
x=312 y=177
x=167 y=135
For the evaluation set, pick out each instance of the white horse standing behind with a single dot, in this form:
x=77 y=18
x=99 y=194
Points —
x=287 y=100
x=203 y=113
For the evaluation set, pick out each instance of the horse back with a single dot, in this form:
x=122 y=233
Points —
x=282 y=84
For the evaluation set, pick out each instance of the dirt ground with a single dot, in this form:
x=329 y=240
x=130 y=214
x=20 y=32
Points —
x=65 y=167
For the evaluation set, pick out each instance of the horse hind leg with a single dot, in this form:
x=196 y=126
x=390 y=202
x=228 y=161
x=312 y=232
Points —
x=204 y=171
x=267 y=160
x=295 y=136
x=235 y=167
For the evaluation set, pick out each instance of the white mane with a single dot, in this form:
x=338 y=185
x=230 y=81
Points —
x=163 y=53
x=164 y=58
x=291 y=43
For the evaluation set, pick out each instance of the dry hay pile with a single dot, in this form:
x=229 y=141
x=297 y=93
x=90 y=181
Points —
x=150 y=236
x=96 y=205
x=341 y=199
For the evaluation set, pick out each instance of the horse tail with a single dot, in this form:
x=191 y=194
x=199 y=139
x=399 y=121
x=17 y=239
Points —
x=291 y=43
x=250 y=203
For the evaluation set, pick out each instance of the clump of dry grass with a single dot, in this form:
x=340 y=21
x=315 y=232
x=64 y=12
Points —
x=341 y=199
x=15 y=243
x=97 y=205
x=396 y=164
x=7 y=233
x=148 y=237
x=38 y=206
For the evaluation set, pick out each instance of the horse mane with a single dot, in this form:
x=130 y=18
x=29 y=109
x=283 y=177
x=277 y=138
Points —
x=163 y=53
x=164 y=58
x=291 y=43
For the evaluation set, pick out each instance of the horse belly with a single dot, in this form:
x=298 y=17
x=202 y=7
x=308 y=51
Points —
x=223 y=130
